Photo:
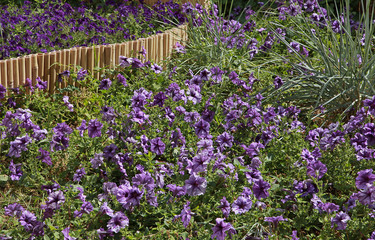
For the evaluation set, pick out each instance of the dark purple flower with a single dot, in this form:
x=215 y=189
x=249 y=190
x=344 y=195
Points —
x=330 y=207
x=94 y=128
x=202 y=128
x=19 y=145
x=179 y=48
x=45 y=157
x=121 y=79
x=14 y=209
x=81 y=74
x=82 y=128
x=156 y=68
x=3 y=90
x=177 y=191
x=340 y=220
x=216 y=74
x=117 y=222
x=369 y=132
x=86 y=208
x=185 y=215
x=260 y=189
x=364 y=177
x=366 y=196
x=80 y=173
x=27 y=220
x=253 y=149
x=105 y=84
x=242 y=205
x=278 y=82
x=65 y=232
x=157 y=146
x=220 y=229
x=40 y=84
x=316 y=169
x=55 y=199
x=370 y=103
x=15 y=171
x=275 y=220
x=195 y=185
x=225 y=207
x=159 y=99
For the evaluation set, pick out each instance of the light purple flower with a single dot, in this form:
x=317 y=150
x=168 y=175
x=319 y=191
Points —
x=241 y=205
x=157 y=146
x=195 y=185
x=117 y=222
x=220 y=229
x=340 y=220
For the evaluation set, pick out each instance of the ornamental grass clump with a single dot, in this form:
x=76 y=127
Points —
x=332 y=59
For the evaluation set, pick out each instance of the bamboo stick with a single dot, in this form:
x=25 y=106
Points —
x=108 y=56
x=41 y=65
x=73 y=62
x=68 y=65
x=3 y=74
x=28 y=69
x=21 y=71
x=90 y=59
x=47 y=75
x=34 y=67
x=84 y=58
x=97 y=62
x=15 y=72
x=9 y=73
x=52 y=72
x=117 y=50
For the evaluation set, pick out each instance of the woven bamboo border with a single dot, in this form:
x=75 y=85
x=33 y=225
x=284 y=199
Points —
x=47 y=66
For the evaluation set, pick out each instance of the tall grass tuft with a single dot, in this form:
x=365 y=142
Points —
x=340 y=71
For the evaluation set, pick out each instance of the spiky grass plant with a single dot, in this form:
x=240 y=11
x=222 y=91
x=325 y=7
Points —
x=340 y=72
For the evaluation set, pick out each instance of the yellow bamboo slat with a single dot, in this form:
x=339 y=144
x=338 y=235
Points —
x=90 y=59
x=97 y=62
x=84 y=57
x=107 y=56
x=67 y=64
x=21 y=70
x=52 y=70
x=73 y=62
x=122 y=49
x=117 y=53
x=34 y=68
x=148 y=48
x=9 y=73
x=46 y=71
x=41 y=66
x=3 y=68
x=15 y=72
x=28 y=69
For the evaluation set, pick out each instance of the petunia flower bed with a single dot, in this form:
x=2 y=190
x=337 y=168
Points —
x=147 y=152
x=46 y=26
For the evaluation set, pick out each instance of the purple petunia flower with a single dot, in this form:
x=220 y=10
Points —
x=157 y=146
x=19 y=145
x=94 y=128
x=370 y=103
x=15 y=171
x=179 y=48
x=81 y=74
x=14 y=209
x=185 y=215
x=220 y=229
x=80 y=173
x=364 y=177
x=260 y=189
x=225 y=207
x=40 y=84
x=121 y=79
x=3 y=90
x=45 y=157
x=97 y=161
x=156 y=68
x=117 y=222
x=65 y=232
x=275 y=220
x=242 y=205
x=195 y=185
x=316 y=169
x=105 y=84
x=55 y=199
x=278 y=82
x=202 y=128
x=340 y=220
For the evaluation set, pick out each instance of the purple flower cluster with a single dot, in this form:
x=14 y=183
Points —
x=56 y=25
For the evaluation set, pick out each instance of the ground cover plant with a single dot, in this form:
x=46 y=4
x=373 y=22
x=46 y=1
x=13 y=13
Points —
x=44 y=26
x=147 y=152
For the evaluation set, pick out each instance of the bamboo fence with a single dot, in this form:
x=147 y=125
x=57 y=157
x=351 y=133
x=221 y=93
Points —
x=47 y=66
